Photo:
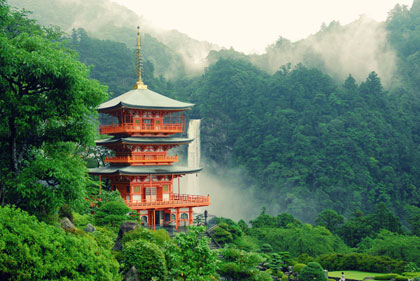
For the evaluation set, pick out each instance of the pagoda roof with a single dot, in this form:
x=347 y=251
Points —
x=135 y=140
x=144 y=99
x=144 y=170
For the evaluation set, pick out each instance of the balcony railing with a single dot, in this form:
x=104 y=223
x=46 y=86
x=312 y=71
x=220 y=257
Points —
x=175 y=200
x=155 y=159
x=131 y=128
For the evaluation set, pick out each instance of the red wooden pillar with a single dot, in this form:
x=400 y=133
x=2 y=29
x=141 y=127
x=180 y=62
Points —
x=190 y=216
x=177 y=218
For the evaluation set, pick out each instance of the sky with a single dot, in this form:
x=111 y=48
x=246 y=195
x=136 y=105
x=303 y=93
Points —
x=250 y=26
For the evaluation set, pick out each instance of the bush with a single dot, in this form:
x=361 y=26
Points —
x=222 y=236
x=66 y=212
x=147 y=257
x=159 y=237
x=33 y=250
x=361 y=262
x=112 y=213
x=298 y=267
x=81 y=220
x=312 y=272
x=388 y=276
x=285 y=278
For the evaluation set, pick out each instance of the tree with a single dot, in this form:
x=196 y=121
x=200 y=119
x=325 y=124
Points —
x=329 y=219
x=47 y=107
x=148 y=259
x=189 y=257
x=112 y=213
x=312 y=272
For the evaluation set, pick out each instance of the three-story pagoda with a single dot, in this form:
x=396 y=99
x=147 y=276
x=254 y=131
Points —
x=141 y=169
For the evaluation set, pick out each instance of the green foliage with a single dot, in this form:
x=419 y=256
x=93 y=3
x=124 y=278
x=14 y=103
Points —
x=298 y=267
x=330 y=220
x=66 y=212
x=312 y=272
x=82 y=220
x=48 y=104
x=222 y=236
x=313 y=241
x=159 y=237
x=362 y=226
x=112 y=213
x=147 y=257
x=240 y=265
x=189 y=257
x=304 y=258
x=276 y=264
x=391 y=276
x=361 y=262
x=396 y=246
x=32 y=250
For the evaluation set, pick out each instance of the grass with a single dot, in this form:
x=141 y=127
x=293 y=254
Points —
x=351 y=274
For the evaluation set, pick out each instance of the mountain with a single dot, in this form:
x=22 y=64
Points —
x=173 y=54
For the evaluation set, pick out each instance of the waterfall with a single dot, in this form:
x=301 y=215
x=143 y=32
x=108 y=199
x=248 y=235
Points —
x=194 y=155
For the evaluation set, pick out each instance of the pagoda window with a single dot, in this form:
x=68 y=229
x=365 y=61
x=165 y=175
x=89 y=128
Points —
x=127 y=198
x=173 y=217
x=128 y=189
x=143 y=219
x=137 y=189
x=184 y=216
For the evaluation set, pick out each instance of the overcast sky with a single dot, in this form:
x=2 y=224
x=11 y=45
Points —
x=249 y=26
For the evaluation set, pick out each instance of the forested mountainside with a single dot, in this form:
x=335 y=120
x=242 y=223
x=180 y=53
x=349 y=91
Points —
x=356 y=48
x=306 y=139
x=174 y=54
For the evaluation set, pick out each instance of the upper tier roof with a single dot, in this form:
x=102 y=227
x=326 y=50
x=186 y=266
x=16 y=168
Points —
x=137 y=140
x=144 y=99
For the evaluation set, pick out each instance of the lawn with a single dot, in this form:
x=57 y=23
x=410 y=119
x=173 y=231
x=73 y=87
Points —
x=350 y=274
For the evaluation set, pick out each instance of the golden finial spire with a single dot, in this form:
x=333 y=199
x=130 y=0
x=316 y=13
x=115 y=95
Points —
x=139 y=64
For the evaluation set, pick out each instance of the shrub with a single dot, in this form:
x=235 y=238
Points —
x=112 y=213
x=312 y=272
x=66 y=212
x=361 y=262
x=147 y=257
x=189 y=257
x=388 y=276
x=159 y=237
x=81 y=220
x=222 y=236
x=266 y=248
x=33 y=250
x=298 y=267
x=284 y=278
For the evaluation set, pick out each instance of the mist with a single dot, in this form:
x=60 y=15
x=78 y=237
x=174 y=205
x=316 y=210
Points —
x=357 y=49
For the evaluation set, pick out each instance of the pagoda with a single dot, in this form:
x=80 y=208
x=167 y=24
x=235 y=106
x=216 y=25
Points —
x=143 y=128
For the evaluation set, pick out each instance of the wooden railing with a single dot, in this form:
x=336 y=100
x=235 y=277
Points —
x=141 y=128
x=157 y=159
x=175 y=200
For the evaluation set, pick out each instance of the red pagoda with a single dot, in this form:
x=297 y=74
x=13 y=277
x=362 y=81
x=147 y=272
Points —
x=143 y=130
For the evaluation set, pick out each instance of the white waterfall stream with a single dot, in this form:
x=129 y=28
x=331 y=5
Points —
x=194 y=152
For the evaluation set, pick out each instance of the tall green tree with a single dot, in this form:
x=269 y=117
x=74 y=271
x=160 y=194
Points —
x=47 y=109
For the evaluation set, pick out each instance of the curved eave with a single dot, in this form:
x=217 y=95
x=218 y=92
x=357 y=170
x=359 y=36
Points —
x=144 y=141
x=131 y=106
x=144 y=170
x=144 y=99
